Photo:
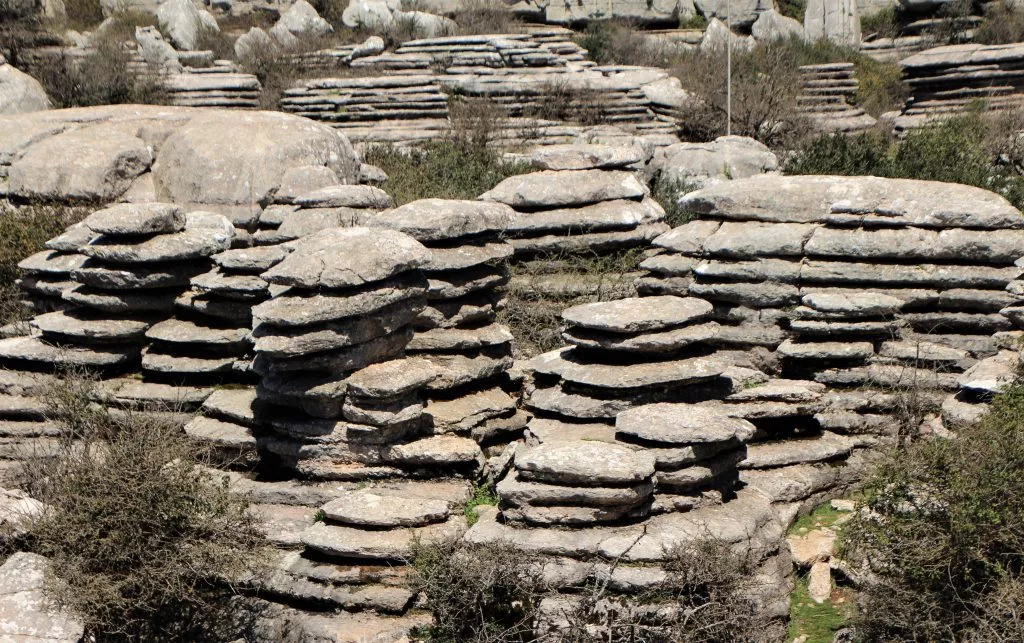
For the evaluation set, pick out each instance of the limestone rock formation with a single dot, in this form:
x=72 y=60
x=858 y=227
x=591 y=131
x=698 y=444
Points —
x=19 y=92
x=300 y=22
x=584 y=210
x=835 y=20
x=827 y=96
x=704 y=164
x=25 y=612
x=184 y=24
x=947 y=81
x=771 y=25
x=217 y=160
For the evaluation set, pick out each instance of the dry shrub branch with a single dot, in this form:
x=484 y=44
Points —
x=145 y=544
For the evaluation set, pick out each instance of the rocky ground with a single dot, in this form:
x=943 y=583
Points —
x=345 y=362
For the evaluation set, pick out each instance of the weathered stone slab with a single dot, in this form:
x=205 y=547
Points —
x=89 y=327
x=110 y=277
x=137 y=219
x=460 y=339
x=368 y=509
x=395 y=544
x=681 y=424
x=298 y=308
x=205 y=234
x=393 y=378
x=602 y=216
x=584 y=463
x=665 y=341
x=767 y=455
x=549 y=189
x=446 y=219
x=346 y=196
x=626 y=376
x=370 y=255
x=636 y=315
x=284 y=343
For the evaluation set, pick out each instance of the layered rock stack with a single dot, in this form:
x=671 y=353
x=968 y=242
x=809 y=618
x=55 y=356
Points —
x=456 y=332
x=585 y=203
x=140 y=259
x=946 y=81
x=884 y=290
x=344 y=311
x=826 y=97
x=217 y=86
x=46 y=275
x=545 y=98
x=627 y=353
x=310 y=200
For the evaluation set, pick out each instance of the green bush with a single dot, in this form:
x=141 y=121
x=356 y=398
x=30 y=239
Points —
x=667 y=193
x=942 y=534
x=144 y=544
x=957 y=150
x=442 y=169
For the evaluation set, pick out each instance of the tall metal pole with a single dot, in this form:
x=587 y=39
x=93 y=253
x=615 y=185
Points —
x=728 y=73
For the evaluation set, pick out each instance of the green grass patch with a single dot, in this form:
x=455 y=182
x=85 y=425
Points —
x=817 y=621
x=482 y=495
x=442 y=170
x=823 y=516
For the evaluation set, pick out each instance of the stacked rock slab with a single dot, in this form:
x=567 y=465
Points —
x=825 y=95
x=586 y=203
x=140 y=259
x=627 y=353
x=342 y=404
x=457 y=332
x=878 y=288
x=310 y=200
x=946 y=81
x=45 y=275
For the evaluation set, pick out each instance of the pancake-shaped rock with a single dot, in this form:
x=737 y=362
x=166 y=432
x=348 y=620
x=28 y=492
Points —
x=636 y=315
x=127 y=219
x=584 y=463
x=681 y=424
x=347 y=258
x=445 y=219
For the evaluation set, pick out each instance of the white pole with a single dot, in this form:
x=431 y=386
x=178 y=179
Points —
x=728 y=73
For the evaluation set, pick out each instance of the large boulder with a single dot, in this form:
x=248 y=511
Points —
x=772 y=25
x=19 y=92
x=227 y=161
x=744 y=12
x=237 y=158
x=370 y=14
x=253 y=43
x=835 y=20
x=717 y=36
x=25 y=612
x=156 y=51
x=300 y=22
x=92 y=163
x=705 y=164
x=184 y=24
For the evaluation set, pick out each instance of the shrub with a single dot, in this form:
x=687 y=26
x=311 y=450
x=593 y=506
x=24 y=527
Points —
x=793 y=8
x=145 y=544
x=885 y=23
x=942 y=537
x=102 y=77
x=485 y=17
x=443 y=169
x=331 y=11
x=544 y=286
x=710 y=594
x=83 y=14
x=23 y=231
x=957 y=150
x=667 y=193
x=765 y=85
x=562 y=100
x=1003 y=24
x=613 y=42
x=476 y=592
